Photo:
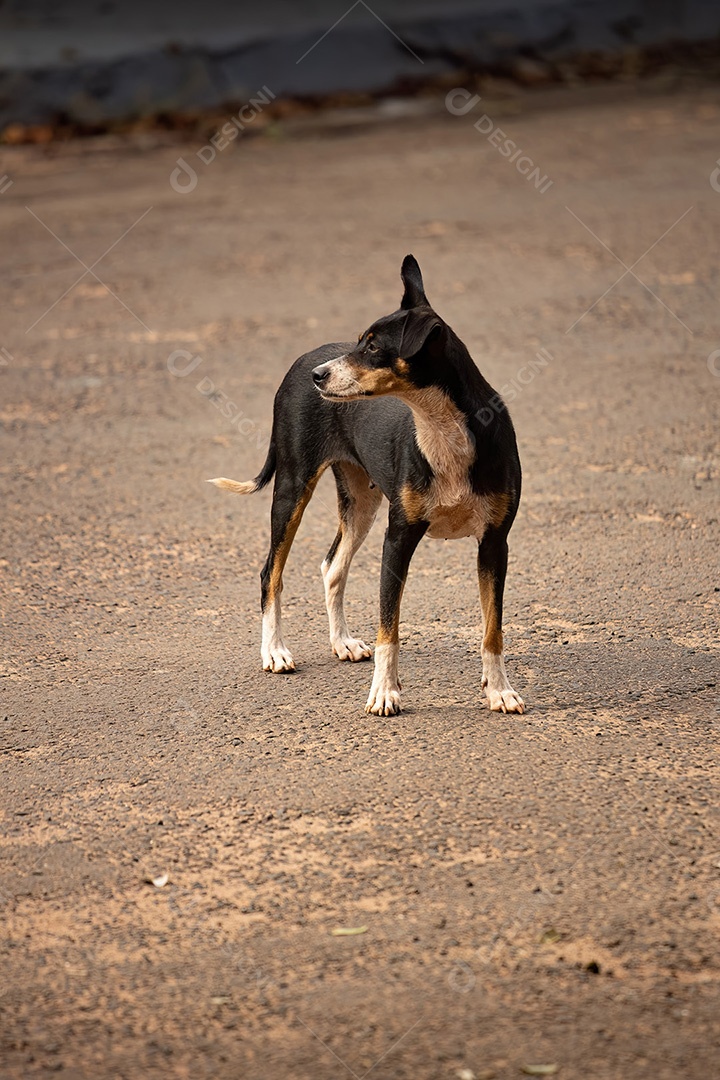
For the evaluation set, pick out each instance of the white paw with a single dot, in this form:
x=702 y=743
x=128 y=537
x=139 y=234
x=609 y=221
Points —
x=350 y=648
x=505 y=701
x=383 y=701
x=277 y=659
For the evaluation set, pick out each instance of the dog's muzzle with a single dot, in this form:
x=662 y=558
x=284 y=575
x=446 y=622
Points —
x=322 y=375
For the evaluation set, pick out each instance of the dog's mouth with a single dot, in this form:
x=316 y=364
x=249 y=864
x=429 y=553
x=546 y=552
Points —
x=347 y=395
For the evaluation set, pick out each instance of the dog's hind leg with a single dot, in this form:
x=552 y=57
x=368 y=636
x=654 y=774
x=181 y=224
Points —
x=492 y=568
x=358 y=504
x=289 y=501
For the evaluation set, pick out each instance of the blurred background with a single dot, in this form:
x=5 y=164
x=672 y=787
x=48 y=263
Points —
x=92 y=63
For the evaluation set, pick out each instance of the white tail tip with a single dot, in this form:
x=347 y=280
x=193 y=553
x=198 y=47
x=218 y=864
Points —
x=247 y=487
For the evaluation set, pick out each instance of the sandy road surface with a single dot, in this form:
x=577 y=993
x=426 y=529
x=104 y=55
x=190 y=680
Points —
x=541 y=889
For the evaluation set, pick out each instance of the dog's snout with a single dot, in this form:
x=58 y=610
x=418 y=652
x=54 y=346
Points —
x=320 y=374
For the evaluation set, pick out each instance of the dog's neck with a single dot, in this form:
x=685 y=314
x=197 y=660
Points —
x=444 y=440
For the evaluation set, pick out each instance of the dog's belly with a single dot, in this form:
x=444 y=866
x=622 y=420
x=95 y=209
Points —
x=466 y=518
x=463 y=513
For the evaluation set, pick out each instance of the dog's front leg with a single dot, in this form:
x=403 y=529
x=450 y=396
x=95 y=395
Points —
x=492 y=568
x=401 y=539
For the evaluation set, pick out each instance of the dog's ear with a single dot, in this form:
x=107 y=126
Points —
x=420 y=330
x=414 y=294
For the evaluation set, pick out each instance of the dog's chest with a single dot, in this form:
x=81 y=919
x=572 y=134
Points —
x=450 y=505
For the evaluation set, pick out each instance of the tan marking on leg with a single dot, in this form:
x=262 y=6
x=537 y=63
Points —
x=275 y=656
x=500 y=694
x=283 y=549
x=498 y=505
x=389 y=636
x=492 y=632
x=413 y=503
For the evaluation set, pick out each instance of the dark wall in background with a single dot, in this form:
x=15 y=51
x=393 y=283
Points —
x=94 y=61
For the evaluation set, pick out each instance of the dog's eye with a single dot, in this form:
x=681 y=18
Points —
x=372 y=348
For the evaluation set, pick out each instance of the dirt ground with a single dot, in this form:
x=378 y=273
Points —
x=537 y=890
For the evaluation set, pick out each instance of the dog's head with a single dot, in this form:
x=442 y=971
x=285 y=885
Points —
x=393 y=356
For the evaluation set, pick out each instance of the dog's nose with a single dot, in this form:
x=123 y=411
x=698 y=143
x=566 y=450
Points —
x=320 y=374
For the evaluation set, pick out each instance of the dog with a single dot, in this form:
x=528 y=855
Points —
x=406 y=414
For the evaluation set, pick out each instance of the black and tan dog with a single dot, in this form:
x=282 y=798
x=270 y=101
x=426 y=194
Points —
x=405 y=413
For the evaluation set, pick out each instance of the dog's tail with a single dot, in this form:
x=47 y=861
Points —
x=249 y=487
